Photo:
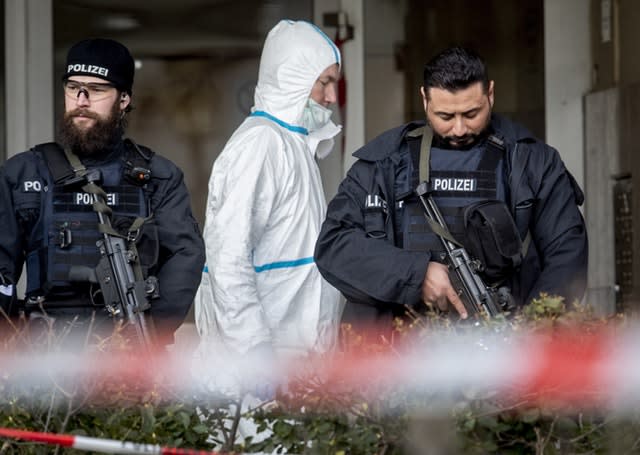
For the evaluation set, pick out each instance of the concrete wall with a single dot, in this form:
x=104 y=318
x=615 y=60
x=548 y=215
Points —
x=383 y=75
x=507 y=34
x=373 y=82
x=567 y=79
x=602 y=163
x=630 y=167
x=28 y=74
x=187 y=110
x=615 y=76
x=627 y=17
x=614 y=42
x=627 y=34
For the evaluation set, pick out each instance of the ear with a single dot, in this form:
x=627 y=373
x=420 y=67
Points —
x=424 y=98
x=490 y=93
x=125 y=100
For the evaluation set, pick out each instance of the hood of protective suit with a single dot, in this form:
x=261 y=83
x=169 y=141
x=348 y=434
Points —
x=293 y=56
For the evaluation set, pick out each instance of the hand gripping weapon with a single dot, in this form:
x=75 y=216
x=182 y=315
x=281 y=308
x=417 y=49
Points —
x=476 y=296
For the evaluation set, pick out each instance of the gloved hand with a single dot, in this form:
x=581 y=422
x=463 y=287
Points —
x=260 y=370
x=7 y=294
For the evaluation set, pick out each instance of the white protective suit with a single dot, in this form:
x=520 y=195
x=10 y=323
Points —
x=264 y=211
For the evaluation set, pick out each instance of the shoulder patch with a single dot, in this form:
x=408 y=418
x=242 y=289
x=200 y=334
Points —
x=32 y=186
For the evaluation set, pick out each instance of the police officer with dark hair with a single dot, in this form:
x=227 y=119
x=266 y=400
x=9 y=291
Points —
x=504 y=194
x=50 y=223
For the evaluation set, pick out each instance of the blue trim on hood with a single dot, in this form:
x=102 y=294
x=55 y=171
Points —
x=283 y=264
x=334 y=48
x=282 y=123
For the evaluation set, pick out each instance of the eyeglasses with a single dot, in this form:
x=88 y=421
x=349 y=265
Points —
x=94 y=91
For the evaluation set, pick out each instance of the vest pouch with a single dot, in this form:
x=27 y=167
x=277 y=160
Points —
x=148 y=245
x=36 y=274
x=375 y=211
x=374 y=224
x=491 y=237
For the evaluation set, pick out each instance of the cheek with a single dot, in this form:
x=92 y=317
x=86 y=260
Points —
x=478 y=124
x=101 y=111
x=439 y=126
x=317 y=93
x=69 y=104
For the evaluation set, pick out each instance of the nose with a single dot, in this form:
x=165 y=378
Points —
x=83 y=98
x=459 y=127
x=331 y=93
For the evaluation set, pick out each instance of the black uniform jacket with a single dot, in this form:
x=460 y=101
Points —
x=542 y=195
x=181 y=248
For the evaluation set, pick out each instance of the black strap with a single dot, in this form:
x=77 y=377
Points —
x=493 y=153
x=63 y=169
x=425 y=155
x=57 y=162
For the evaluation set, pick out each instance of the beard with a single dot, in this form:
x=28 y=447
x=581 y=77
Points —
x=92 y=141
x=464 y=142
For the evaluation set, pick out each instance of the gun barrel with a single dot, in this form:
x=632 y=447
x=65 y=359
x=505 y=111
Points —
x=118 y=282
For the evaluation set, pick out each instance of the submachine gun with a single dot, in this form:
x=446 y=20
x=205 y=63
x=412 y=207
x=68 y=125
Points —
x=477 y=297
x=125 y=292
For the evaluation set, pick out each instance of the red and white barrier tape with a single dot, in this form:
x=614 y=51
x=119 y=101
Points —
x=570 y=365
x=562 y=367
x=96 y=444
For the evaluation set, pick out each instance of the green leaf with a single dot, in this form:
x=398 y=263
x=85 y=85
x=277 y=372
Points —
x=184 y=419
x=531 y=415
x=469 y=424
x=148 y=419
x=488 y=422
x=282 y=429
x=200 y=429
x=567 y=424
x=489 y=446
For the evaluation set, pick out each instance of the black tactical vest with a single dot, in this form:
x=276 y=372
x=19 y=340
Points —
x=477 y=177
x=69 y=226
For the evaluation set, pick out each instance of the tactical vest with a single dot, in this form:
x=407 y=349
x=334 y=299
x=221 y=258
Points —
x=69 y=223
x=477 y=177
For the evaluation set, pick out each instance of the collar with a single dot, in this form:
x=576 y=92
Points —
x=282 y=123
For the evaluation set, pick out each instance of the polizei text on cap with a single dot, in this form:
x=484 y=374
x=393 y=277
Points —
x=91 y=69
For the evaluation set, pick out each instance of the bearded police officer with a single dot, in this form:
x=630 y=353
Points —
x=50 y=221
x=375 y=245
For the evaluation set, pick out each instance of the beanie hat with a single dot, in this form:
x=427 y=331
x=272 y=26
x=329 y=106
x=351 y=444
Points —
x=103 y=58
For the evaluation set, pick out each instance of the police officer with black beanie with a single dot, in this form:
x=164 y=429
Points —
x=51 y=223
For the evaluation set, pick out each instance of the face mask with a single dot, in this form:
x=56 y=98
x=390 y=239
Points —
x=315 y=116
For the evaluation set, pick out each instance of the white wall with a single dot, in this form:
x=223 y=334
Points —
x=28 y=78
x=384 y=82
x=335 y=166
x=354 y=72
x=28 y=73
x=374 y=87
x=567 y=78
